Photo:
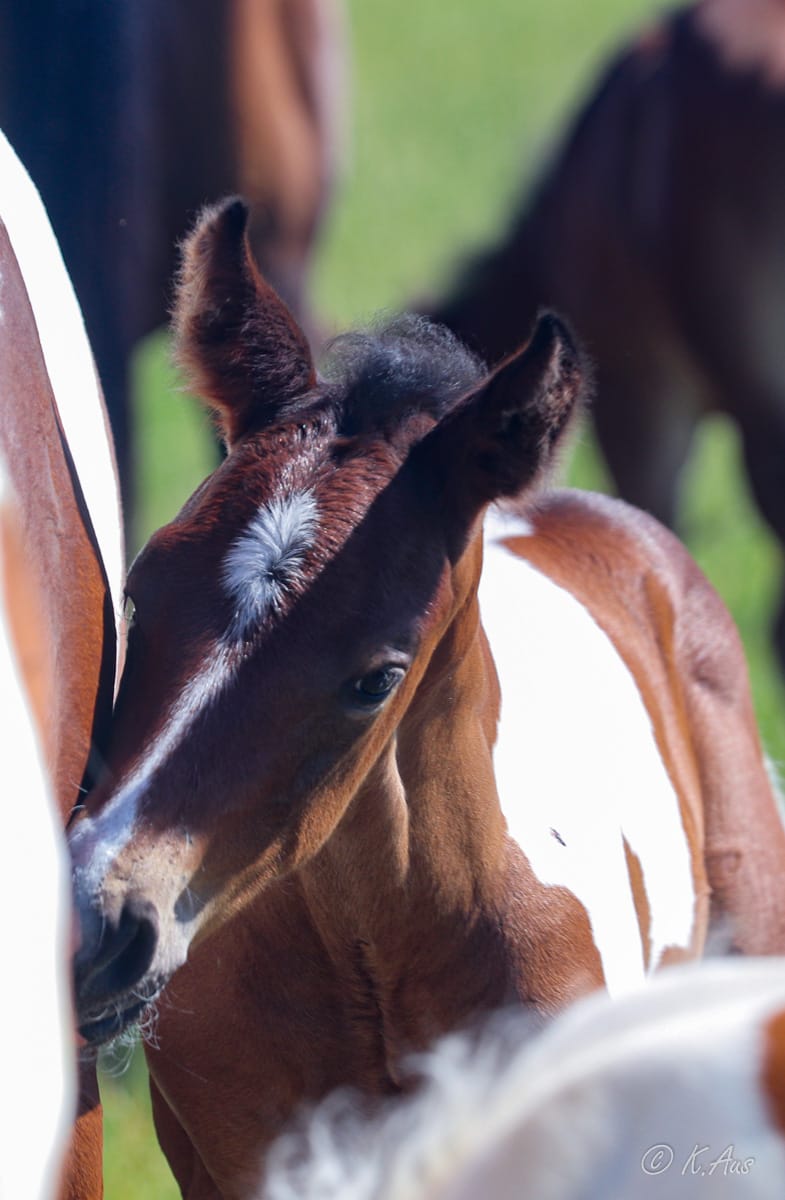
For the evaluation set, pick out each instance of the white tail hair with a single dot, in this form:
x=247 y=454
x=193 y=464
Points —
x=659 y=1093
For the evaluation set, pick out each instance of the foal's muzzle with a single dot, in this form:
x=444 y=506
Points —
x=115 y=953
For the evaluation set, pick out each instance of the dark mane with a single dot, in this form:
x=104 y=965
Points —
x=403 y=364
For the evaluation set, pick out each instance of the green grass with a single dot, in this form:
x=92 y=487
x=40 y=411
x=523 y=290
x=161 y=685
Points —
x=453 y=105
x=134 y=1167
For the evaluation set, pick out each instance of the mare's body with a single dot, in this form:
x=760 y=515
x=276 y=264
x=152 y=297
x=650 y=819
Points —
x=130 y=116
x=37 y=1092
x=58 y=461
x=655 y=230
x=320 y=804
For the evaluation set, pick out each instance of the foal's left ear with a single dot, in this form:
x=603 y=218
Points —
x=503 y=436
x=239 y=345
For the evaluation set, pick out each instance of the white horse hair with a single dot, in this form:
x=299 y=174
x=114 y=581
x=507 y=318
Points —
x=658 y=1093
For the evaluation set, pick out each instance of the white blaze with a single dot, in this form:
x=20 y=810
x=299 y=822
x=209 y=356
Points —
x=262 y=563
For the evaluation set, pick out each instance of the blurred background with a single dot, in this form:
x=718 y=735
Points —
x=450 y=108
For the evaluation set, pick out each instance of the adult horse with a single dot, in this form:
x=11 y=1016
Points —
x=37 y=1090
x=676 y=1090
x=56 y=451
x=156 y=107
x=656 y=230
x=302 y=794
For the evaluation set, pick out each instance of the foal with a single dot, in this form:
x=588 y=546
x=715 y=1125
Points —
x=312 y=810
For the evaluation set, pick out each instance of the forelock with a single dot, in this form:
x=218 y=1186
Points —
x=401 y=365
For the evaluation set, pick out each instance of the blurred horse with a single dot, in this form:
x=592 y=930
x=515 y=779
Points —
x=380 y=762
x=677 y=1090
x=37 y=1079
x=130 y=115
x=657 y=231
x=56 y=451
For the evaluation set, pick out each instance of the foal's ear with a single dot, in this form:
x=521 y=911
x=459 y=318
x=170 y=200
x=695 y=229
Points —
x=503 y=435
x=240 y=347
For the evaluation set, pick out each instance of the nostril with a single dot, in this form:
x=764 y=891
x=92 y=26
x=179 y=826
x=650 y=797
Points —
x=127 y=942
x=121 y=954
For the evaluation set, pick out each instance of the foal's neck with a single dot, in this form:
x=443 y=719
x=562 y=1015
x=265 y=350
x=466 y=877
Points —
x=409 y=894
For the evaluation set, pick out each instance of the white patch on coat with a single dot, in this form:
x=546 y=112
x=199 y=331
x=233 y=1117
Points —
x=267 y=557
x=96 y=843
x=576 y=754
x=260 y=566
x=502 y=523
x=748 y=35
x=68 y=358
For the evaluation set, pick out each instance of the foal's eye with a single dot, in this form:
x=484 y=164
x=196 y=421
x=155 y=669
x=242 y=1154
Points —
x=377 y=685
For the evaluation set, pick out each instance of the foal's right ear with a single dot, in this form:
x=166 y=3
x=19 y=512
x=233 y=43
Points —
x=240 y=347
x=504 y=435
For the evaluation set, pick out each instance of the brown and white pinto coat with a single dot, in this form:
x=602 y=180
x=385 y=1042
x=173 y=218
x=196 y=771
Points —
x=57 y=459
x=301 y=810
x=37 y=1088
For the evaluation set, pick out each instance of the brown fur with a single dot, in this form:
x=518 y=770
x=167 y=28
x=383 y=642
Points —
x=239 y=346
x=286 y=80
x=69 y=645
x=355 y=890
x=641 y=898
x=60 y=544
x=691 y=670
x=773 y=1073
x=164 y=105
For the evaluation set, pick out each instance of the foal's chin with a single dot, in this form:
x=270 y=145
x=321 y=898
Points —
x=128 y=1015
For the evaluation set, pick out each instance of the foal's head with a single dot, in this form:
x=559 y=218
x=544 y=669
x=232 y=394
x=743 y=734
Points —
x=285 y=620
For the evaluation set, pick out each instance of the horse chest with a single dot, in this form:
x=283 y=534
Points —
x=585 y=792
x=296 y=1031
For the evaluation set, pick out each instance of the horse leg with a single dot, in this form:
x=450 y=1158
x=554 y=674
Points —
x=646 y=409
x=764 y=454
x=287 y=69
x=184 y=1162
x=83 y=1168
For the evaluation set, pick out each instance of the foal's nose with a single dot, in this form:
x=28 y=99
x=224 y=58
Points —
x=115 y=951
